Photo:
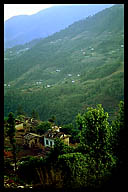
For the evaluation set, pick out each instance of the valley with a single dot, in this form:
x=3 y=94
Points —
x=82 y=65
x=64 y=99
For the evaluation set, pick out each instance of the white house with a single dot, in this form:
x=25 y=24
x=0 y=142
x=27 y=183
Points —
x=51 y=135
x=58 y=70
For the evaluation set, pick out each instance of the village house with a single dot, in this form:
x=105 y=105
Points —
x=33 y=140
x=55 y=128
x=27 y=119
x=30 y=124
x=19 y=125
x=48 y=86
x=51 y=135
x=47 y=140
x=24 y=127
x=20 y=131
x=57 y=70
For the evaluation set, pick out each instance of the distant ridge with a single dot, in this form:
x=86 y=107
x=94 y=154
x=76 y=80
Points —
x=23 y=28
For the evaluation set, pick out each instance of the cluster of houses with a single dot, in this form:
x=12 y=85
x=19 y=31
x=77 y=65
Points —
x=32 y=140
x=84 y=52
x=55 y=41
x=48 y=86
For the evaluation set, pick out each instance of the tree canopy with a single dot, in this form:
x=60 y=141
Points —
x=43 y=127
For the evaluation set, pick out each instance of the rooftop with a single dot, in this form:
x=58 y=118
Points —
x=55 y=134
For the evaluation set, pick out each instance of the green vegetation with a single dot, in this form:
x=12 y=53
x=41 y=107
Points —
x=11 y=133
x=65 y=101
x=89 y=55
x=35 y=114
x=118 y=129
x=89 y=165
x=43 y=127
x=73 y=79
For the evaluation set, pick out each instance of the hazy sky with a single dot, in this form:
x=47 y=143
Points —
x=11 y=10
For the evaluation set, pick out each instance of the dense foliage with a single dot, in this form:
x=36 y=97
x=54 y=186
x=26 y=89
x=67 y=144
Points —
x=118 y=143
x=43 y=127
x=89 y=164
x=61 y=80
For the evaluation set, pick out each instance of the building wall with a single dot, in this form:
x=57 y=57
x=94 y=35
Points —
x=66 y=141
x=31 y=143
x=35 y=141
x=19 y=126
x=49 y=142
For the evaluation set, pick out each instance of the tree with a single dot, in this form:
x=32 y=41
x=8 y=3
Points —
x=68 y=129
x=71 y=130
x=52 y=119
x=118 y=123
x=11 y=130
x=95 y=132
x=79 y=121
x=21 y=117
x=35 y=114
x=43 y=127
x=118 y=131
x=74 y=169
x=96 y=140
x=59 y=148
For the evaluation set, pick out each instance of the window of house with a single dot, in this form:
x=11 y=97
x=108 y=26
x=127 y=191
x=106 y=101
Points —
x=51 y=143
x=46 y=142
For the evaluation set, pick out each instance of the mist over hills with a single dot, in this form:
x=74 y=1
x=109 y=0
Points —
x=63 y=74
x=23 y=28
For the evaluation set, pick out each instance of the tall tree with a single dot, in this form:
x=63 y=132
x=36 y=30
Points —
x=96 y=140
x=95 y=132
x=11 y=130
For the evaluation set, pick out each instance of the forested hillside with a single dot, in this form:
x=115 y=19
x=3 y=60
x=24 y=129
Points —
x=63 y=74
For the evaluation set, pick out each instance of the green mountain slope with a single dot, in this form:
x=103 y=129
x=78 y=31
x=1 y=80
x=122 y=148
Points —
x=70 y=70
